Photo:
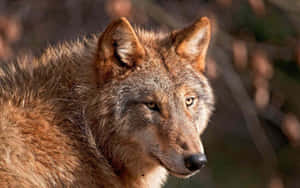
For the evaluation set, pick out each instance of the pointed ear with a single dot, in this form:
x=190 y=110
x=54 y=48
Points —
x=119 y=50
x=192 y=42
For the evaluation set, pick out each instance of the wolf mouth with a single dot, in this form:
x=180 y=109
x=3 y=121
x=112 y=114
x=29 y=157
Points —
x=181 y=175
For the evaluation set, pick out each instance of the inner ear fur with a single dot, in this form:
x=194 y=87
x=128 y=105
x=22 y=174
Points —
x=119 y=50
x=192 y=42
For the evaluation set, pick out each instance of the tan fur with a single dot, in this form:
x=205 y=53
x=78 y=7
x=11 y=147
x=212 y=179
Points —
x=61 y=117
x=193 y=42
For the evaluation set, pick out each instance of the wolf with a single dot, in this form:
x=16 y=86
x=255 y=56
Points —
x=119 y=109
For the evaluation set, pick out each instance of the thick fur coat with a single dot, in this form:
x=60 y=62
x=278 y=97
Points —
x=118 y=109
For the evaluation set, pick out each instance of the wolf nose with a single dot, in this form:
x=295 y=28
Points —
x=195 y=162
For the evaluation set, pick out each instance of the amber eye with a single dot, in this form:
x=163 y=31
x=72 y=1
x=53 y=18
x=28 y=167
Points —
x=152 y=106
x=189 y=101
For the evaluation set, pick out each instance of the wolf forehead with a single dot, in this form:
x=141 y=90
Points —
x=157 y=78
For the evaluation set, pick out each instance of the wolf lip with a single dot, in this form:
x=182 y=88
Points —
x=177 y=174
x=184 y=175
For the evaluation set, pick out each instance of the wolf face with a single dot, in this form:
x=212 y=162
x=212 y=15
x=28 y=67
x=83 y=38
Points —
x=161 y=99
x=166 y=116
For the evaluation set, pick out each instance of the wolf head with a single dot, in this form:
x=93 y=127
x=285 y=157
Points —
x=152 y=99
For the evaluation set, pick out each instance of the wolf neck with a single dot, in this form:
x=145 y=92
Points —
x=152 y=179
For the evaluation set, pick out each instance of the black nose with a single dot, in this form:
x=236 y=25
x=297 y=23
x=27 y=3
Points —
x=195 y=162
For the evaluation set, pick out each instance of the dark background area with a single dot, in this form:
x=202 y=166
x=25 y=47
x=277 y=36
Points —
x=253 y=138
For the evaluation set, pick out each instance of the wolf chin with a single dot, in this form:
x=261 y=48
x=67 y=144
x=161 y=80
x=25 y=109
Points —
x=120 y=109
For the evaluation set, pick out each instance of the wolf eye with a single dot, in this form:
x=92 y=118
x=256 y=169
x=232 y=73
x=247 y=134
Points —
x=189 y=101
x=152 y=106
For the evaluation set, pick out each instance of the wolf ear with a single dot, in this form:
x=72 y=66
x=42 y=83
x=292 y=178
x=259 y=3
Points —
x=192 y=42
x=119 y=50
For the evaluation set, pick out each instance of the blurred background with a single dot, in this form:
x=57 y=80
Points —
x=253 y=139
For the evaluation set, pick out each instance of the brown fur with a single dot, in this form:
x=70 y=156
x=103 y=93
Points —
x=107 y=111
